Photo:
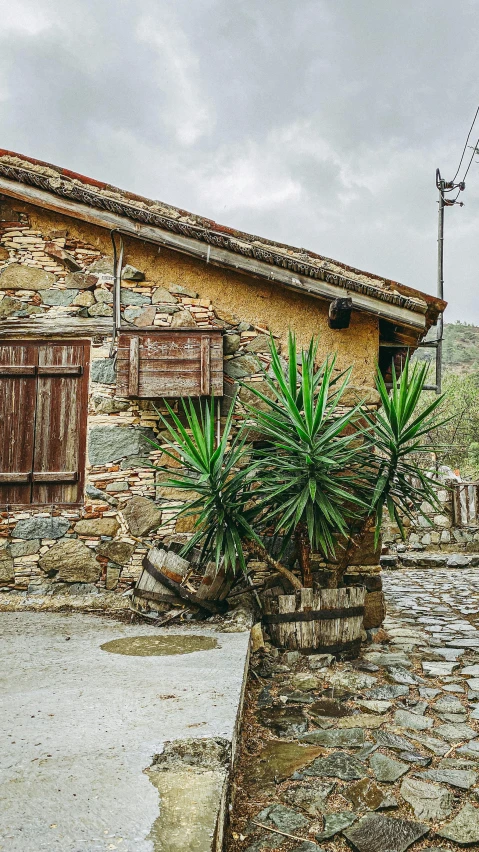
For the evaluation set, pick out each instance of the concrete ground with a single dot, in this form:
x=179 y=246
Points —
x=81 y=725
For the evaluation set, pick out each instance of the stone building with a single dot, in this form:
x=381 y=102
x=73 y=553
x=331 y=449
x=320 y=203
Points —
x=81 y=370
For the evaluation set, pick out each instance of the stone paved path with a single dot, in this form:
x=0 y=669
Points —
x=443 y=595
x=377 y=755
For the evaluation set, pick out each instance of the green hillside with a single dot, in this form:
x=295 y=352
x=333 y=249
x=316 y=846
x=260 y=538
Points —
x=459 y=437
x=460 y=349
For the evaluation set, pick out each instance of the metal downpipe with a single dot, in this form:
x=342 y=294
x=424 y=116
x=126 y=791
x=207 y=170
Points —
x=117 y=268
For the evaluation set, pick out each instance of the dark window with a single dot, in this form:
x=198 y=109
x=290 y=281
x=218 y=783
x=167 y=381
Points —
x=43 y=413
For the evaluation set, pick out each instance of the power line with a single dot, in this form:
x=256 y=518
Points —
x=445 y=187
x=465 y=146
x=474 y=151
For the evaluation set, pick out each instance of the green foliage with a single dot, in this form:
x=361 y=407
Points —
x=460 y=348
x=321 y=467
x=460 y=355
x=329 y=470
x=212 y=477
x=473 y=456
x=452 y=441
x=398 y=433
x=306 y=472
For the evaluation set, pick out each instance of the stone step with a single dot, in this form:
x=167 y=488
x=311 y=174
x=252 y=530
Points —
x=429 y=560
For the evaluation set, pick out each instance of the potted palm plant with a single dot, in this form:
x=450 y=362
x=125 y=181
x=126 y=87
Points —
x=326 y=474
x=321 y=477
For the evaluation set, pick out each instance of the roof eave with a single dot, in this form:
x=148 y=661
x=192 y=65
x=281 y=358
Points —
x=403 y=305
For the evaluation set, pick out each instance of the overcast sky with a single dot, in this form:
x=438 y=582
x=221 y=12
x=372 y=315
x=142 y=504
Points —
x=318 y=123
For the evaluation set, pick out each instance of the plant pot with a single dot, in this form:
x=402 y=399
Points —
x=329 y=621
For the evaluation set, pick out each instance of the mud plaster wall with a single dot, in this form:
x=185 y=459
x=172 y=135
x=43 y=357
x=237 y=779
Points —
x=247 y=299
x=124 y=500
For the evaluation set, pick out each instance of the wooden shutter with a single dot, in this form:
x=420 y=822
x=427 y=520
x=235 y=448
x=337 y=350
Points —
x=18 y=363
x=60 y=423
x=170 y=363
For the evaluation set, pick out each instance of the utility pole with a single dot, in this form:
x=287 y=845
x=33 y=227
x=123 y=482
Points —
x=444 y=187
x=441 y=185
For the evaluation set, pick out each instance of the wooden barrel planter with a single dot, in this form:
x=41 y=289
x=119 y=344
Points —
x=325 y=622
x=160 y=585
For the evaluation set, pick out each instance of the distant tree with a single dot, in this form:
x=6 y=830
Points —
x=460 y=348
x=473 y=457
x=458 y=438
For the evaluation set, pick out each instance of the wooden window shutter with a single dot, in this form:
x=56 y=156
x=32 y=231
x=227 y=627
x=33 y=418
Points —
x=170 y=363
x=43 y=406
x=18 y=362
x=60 y=423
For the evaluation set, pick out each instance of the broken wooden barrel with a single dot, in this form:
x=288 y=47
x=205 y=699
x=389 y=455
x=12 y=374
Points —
x=149 y=587
x=162 y=582
x=216 y=583
x=328 y=621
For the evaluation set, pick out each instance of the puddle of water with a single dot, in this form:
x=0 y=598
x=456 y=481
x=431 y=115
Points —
x=159 y=646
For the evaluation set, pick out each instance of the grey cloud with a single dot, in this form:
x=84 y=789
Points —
x=317 y=123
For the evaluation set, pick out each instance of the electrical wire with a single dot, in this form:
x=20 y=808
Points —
x=465 y=146
x=474 y=151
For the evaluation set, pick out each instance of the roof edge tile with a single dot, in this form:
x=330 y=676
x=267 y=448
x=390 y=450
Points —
x=94 y=193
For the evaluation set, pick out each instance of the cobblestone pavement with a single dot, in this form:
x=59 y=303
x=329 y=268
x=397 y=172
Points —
x=446 y=597
x=380 y=754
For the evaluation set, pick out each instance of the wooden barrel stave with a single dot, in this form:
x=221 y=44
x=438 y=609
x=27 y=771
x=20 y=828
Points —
x=329 y=621
x=216 y=583
x=161 y=598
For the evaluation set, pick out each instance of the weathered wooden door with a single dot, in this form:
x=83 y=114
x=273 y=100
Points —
x=44 y=398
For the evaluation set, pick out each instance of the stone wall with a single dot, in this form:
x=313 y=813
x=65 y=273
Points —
x=436 y=532
x=57 y=267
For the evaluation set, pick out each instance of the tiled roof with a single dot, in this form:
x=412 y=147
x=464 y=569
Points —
x=95 y=194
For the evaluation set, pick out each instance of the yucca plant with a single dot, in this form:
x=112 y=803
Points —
x=326 y=476
x=393 y=481
x=218 y=486
x=322 y=475
x=307 y=470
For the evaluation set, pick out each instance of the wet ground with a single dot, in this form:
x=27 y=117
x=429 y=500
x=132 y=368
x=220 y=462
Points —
x=80 y=725
x=378 y=755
